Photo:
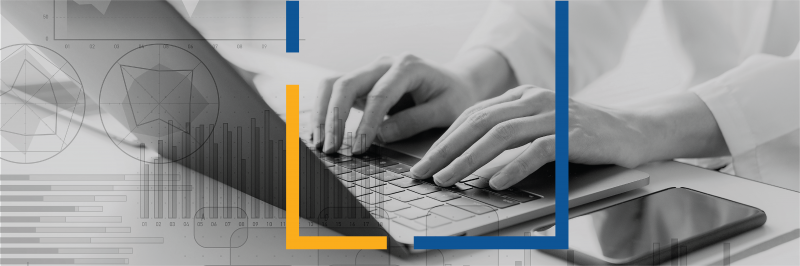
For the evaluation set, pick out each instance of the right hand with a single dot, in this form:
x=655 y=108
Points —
x=439 y=97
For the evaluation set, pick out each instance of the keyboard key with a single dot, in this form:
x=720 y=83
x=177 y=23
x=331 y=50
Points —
x=452 y=213
x=405 y=196
x=459 y=188
x=490 y=198
x=425 y=203
x=470 y=205
x=329 y=157
x=478 y=183
x=369 y=170
x=393 y=205
x=347 y=184
x=424 y=188
x=367 y=157
x=383 y=162
x=405 y=182
x=410 y=224
x=339 y=170
x=432 y=221
x=387 y=176
x=387 y=189
x=359 y=191
x=381 y=214
x=353 y=164
x=412 y=213
x=407 y=174
x=443 y=195
x=335 y=158
x=345 y=150
x=327 y=163
x=352 y=176
x=373 y=198
x=369 y=182
x=398 y=168
x=469 y=178
x=518 y=195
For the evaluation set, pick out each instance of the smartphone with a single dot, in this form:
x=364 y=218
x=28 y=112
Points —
x=655 y=228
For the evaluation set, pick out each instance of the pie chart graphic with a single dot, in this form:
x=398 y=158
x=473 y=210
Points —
x=161 y=97
x=42 y=103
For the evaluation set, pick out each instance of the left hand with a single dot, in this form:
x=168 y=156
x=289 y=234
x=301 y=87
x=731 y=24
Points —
x=523 y=115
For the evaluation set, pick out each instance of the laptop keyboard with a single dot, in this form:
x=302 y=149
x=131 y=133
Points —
x=386 y=185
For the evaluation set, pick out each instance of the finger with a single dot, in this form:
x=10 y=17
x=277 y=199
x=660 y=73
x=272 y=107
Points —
x=510 y=95
x=540 y=152
x=468 y=132
x=344 y=93
x=410 y=122
x=386 y=92
x=506 y=135
x=320 y=110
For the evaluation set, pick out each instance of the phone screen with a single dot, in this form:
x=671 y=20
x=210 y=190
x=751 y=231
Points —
x=633 y=229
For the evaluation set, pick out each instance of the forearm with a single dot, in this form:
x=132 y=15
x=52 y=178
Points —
x=678 y=125
x=486 y=70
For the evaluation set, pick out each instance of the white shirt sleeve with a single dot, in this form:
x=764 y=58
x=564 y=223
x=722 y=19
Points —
x=757 y=108
x=524 y=33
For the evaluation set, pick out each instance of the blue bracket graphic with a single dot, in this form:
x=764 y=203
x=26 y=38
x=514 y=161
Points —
x=292 y=26
x=561 y=239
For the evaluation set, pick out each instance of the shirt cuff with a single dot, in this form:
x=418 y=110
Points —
x=732 y=122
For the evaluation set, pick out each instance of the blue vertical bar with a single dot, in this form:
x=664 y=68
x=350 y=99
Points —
x=292 y=26
x=562 y=123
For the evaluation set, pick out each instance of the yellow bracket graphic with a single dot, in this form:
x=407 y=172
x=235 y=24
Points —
x=293 y=238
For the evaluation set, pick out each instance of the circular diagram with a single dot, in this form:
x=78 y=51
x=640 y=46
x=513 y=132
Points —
x=42 y=101
x=160 y=96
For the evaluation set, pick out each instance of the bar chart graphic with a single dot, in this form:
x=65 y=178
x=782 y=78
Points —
x=227 y=196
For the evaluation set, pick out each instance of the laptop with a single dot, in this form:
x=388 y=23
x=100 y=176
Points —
x=367 y=194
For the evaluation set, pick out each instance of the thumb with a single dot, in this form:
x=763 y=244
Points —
x=409 y=122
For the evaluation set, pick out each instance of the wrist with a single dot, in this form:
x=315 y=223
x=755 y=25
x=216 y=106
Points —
x=677 y=126
x=651 y=138
x=637 y=137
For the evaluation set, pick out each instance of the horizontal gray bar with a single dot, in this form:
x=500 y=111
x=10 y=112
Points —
x=84 y=177
x=65 y=230
x=66 y=250
x=64 y=198
x=60 y=219
x=90 y=188
x=27 y=261
x=39 y=209
x=13 y=177
x=82 y=240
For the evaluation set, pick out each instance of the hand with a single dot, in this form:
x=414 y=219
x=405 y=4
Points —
x=523 y=115
x=439 y=96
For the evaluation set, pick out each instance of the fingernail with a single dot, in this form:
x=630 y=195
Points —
x=356 y=145
x=328 y=148
x=421 y=168
x=498 y=182
x=442 y=178
x=317 y=142
x=387 y=132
